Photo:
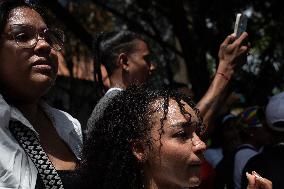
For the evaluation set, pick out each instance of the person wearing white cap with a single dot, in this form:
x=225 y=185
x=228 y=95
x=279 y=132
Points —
x=270 y=163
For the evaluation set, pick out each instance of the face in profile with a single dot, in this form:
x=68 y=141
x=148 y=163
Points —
x=176 y=154
x=26 y=70
x=140 y=66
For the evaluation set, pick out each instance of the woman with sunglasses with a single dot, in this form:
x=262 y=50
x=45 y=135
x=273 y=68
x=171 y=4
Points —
x=40 y=145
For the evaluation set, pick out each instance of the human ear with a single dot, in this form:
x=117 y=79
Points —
x=139 y=150
x=122 y=61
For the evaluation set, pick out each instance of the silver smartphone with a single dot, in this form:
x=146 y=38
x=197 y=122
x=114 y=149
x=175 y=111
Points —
x=240 y=24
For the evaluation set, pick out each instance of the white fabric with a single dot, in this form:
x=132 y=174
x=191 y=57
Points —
x=241 y=158
x=17 y=171
x=114 y=89
x=275 y=111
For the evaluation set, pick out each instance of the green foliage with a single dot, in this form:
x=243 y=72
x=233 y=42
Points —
x=194 y=30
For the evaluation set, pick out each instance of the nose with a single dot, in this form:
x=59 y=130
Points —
x=42 y=46
x=198 y=144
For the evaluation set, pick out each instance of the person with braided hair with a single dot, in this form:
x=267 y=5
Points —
x=126 y=57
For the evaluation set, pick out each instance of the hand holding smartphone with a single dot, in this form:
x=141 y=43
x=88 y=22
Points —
x=240 y=24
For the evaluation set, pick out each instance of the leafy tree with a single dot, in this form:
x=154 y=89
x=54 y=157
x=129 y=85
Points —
x=190 y=31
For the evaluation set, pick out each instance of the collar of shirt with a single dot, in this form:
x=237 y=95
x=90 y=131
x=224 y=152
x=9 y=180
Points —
x=114 y=89
x=17 y=170
x=68 y=128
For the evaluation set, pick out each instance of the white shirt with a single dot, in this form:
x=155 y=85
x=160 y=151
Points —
x=17 y=170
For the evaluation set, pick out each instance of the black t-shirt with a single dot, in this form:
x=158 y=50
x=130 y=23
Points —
x=269 y=164
x=70 y=179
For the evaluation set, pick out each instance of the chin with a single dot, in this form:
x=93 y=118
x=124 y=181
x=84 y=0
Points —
x=43 y=84
x=45 y=79
x=194 y=181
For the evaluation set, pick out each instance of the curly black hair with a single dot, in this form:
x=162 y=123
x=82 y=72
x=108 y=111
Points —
x=108 y=158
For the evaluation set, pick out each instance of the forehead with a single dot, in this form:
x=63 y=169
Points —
x=174 y=114
x=25 y=15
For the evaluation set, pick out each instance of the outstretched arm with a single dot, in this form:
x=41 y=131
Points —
x=232 y=55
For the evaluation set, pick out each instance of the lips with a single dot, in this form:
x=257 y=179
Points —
x=196 y=162
x=44 y=66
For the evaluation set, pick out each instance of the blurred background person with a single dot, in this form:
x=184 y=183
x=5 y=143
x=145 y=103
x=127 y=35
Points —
x=269 y=163
x=253 y=138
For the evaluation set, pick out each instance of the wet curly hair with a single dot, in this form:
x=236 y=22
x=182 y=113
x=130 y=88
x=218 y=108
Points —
x=108 y=160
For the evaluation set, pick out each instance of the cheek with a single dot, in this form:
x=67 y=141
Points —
x=14 y=63
x=14 y=56
x=172 y=164
x=141 y=71
x=173 y=155
x=139 y=65
x=23 y=55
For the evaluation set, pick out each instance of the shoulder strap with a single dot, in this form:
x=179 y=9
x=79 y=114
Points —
x=30 y=143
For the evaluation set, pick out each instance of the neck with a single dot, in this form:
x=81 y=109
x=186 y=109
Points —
x=117 y=81
x=29 y=110
x=152 y=184
x=155 y=183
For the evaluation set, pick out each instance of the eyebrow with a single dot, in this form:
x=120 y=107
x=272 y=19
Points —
x=183 y=124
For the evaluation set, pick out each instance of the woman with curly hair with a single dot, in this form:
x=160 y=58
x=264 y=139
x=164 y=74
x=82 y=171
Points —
x=146 y=139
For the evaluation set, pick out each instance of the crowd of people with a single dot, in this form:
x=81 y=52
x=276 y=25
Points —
x=137 y=136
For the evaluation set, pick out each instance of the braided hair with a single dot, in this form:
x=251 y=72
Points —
x=107 y=47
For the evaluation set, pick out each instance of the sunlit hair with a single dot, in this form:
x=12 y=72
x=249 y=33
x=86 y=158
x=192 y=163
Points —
x=108 y=158
x=108 y=46
x=6 y=6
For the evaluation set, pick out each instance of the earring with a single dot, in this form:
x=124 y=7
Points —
x=126 y=70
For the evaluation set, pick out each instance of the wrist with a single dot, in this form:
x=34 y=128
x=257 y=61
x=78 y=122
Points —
x=223 y=75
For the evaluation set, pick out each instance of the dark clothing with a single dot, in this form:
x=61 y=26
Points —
x=225 y=169
x=101 y=106
x=224 y=172
x=269 y=164
x=70 y=180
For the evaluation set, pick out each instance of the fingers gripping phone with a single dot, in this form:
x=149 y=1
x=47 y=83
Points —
x=240 y=24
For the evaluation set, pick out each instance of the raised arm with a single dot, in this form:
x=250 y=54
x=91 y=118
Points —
x=232 y=55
